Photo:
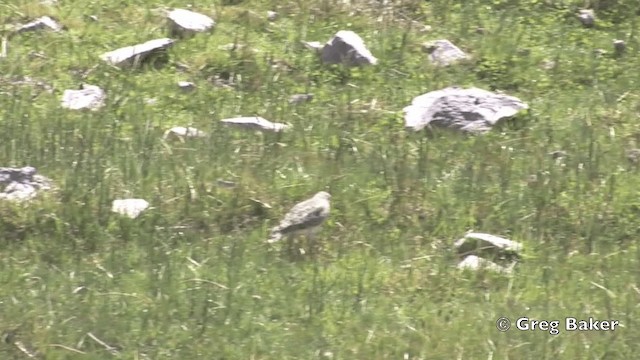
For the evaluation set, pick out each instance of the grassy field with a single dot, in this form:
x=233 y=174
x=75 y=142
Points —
x=192 y=278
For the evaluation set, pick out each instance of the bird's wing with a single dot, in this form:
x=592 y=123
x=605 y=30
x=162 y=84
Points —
x=305 y=215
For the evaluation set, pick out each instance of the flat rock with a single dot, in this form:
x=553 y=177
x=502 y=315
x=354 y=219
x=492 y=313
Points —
x=184 y=133
x=186 y=86
x=21 y=184
x=233 y=47
x=487 y=245
x=347 y=47
x=443 y=52
x=300 y=98
x=136 y=54
x=88 y=97
x=476 y=263
x=27 y=81
x=313 y=45
x=255 y=123
x=40 y=23
x=470 y=110
x=186 y=22
x=558 y=154
x=226 y=183
x=129 y=207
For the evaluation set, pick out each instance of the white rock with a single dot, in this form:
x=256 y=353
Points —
x=129 y=207
x=21 y=184
x=443 y=52
x=473 y=262
x=40 y=23
x=587 y=17
x=88 y=97
x=547 y=64
x=186 y=22
x=186 y=86
x=480 y=243
x=231 y=47
x=4 y=46
x=225 y=183
x=184 y=132
x=313 y=45
x=136 y=54
x=18 y=192
x=468 y=110
x=347 y=47
x=255 y=123
x=272 y=15
x=300 y=98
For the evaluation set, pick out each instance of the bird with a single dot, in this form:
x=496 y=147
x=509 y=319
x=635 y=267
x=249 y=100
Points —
x=305 y=217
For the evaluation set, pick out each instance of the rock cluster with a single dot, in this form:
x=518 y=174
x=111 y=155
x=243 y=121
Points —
x=486 y=251
x=20 y=184
x=470 y=110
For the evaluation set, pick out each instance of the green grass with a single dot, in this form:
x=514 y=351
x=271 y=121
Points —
x=192 y=278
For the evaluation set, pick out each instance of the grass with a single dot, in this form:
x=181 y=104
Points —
x=192 y=277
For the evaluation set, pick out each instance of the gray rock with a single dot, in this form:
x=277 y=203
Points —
x=300 y=98
x=233 y=47
x=136 y=54
x=255 y=123
x=27 y=81
x=487 y=245
x=619 y=46
x=599 y=52
x=443 y=52
x=558 y=154
x=44 y=22
x=347 y=47
x=129 y=207
x=88 y=97
x=470 y=110
x=187 y=23
x=633 y=155
x=181 y=132
x=548 y=64
x=21 y=184
x=226 y=183
x=473 y=262
x=587 y=17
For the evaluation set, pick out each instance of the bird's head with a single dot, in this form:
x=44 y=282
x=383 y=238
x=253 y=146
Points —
x=323 y=195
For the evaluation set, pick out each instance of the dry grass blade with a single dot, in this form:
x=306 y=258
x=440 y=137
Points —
x=67 y=348
x=108 y=347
